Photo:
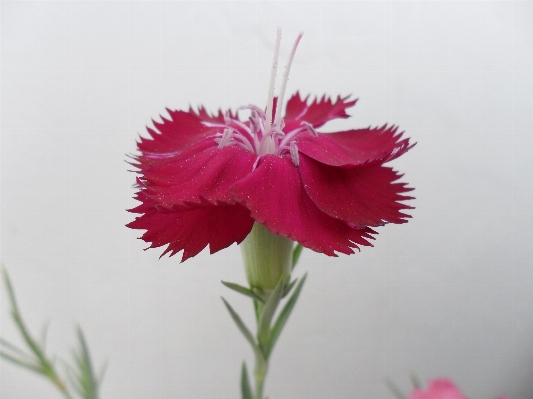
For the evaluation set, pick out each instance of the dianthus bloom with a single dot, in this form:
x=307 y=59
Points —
x=205 y=179
x=439 y=388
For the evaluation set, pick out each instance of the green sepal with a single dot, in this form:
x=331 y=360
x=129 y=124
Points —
x=283 y=316
x=267 y=313
x=296 y=252
x=246 y=389
x=242 y=327
x=243 y=290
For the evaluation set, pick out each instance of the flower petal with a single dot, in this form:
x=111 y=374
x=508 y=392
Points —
x=277 y=199
x=205 y=116
x=354 y=147
x=207 y=174
x=147 y=160
x=176 y=133
x=192 y=229
x=362 y=196
x=317 y=113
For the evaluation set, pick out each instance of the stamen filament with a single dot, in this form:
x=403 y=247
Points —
x=285 y=79
x=270 y=99
x=290 y=136
x=243 y=127
x=245 y=142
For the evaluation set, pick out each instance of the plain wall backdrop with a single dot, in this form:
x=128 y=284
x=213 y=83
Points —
x=448 y=294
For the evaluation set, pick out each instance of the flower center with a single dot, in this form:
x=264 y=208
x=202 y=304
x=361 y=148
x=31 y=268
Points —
x=260 y=134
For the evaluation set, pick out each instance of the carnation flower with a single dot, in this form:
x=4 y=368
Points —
x=204 y=179
x=439 y=388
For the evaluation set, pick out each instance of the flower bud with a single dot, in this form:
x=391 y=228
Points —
x=267 y=257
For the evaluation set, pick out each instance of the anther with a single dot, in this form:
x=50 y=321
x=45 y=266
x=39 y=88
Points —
x=310 y=129
x=294 y=153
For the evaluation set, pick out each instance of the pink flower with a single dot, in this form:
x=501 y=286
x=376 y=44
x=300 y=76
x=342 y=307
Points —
x=439 y=388
x=205 y=179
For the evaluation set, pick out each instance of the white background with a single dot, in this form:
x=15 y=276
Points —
x=448 y=294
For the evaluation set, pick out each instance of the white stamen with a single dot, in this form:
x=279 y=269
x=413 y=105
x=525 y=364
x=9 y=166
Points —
x=285 y=79
x=289 y=136
x=272 y=82
x=310 y=129
x=294 y=153
x=226 y=138
x=252 y=107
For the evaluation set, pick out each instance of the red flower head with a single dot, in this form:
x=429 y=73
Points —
x=205 y=179
x=439 y=388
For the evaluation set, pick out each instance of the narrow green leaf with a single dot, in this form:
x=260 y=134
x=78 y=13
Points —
x=18 y=319
x=394 y=389
x=20 y=362
x=267 y=313
x=41 y=364
x=10 y=291
x=242 y=290
x=14 y=349
x=245 y=331
x=101 y=374
x=74 y=379
x=246 y=389
x=44 y=333
x=34 y=347
x=296 y=252
x=288 y=287
x=284 y=315
x=87 y=379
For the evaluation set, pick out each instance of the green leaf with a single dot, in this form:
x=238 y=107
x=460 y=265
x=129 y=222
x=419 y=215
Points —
x=246 y=389
x=283 y=316
x=288 y=287
x=18 y=319
x=245 y=331
x=242 y=290
x=101 y=374
x=296 y=252
x=34 y=347
x=84 y=380
x=14 y=349
x=20 y=362
x=40 y=364
x=43 y=335
x=394 y=389
x=267 y=313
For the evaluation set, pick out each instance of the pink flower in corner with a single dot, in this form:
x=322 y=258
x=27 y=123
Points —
x=439 y=388
x=205 y=179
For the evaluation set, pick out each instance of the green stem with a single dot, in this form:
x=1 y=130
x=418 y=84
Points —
x=261 y=368
x=268 y=261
